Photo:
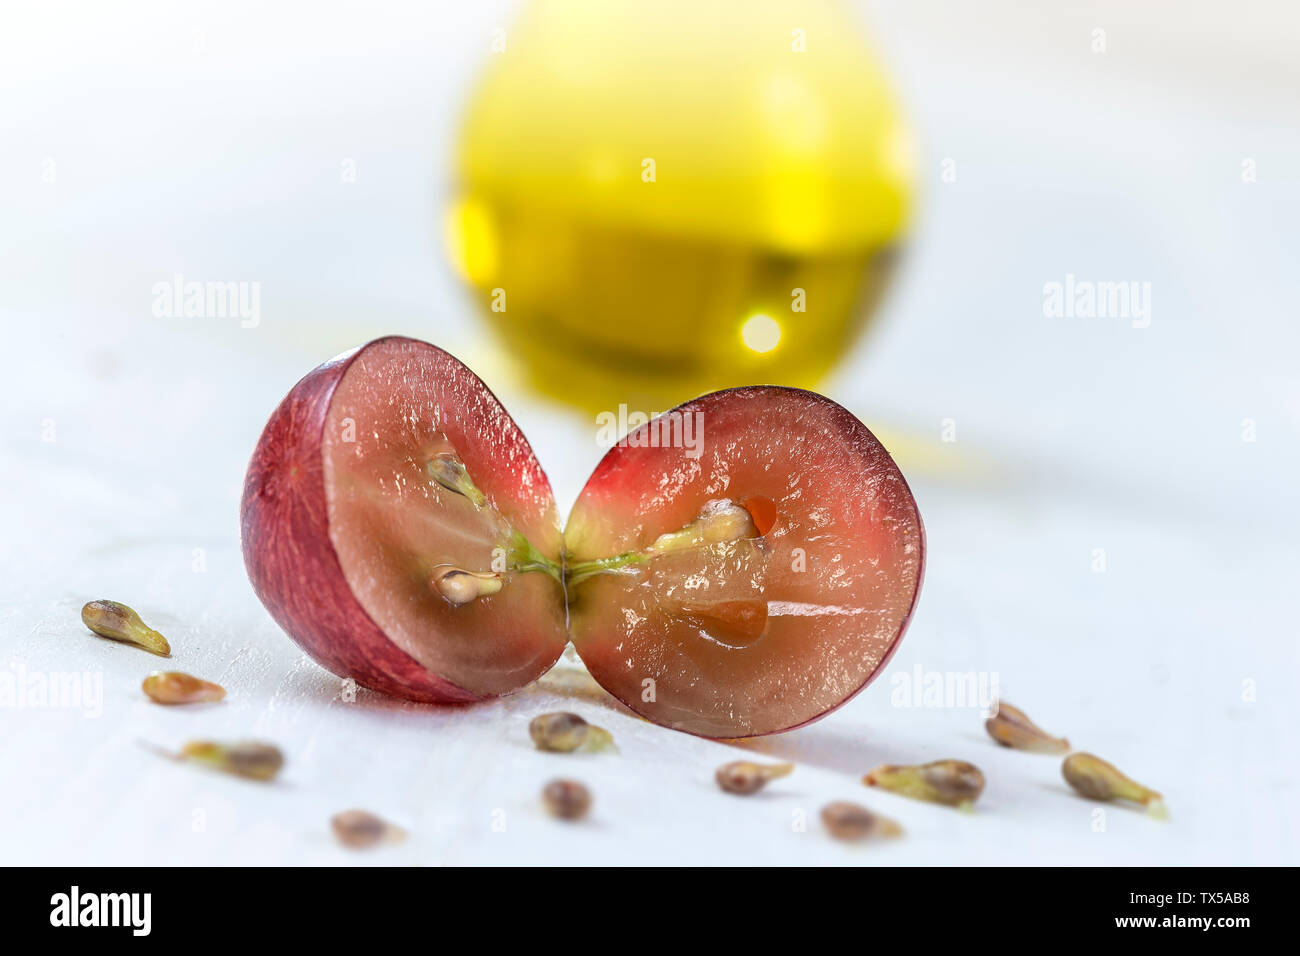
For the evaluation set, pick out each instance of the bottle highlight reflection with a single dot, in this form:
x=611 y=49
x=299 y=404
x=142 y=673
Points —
x=657 y=200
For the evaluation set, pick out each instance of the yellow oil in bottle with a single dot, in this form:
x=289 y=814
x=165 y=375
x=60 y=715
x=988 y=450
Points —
x=657 y=200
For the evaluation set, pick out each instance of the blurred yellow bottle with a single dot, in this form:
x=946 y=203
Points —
x=658 y=199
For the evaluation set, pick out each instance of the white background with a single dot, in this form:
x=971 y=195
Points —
x=209 y=142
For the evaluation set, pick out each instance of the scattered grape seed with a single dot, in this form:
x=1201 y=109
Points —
x=361 y=829
x=954 y=783
x=175 y=687
x=1012 y=728
x=1098 y=780
x=248 y=759
x=853 y=822
x=566 y=799
x=563 y=732
x=746 y=777
x=118 y=622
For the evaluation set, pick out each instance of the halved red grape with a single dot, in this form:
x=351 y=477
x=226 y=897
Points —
x=753 y=581
x=398 y=526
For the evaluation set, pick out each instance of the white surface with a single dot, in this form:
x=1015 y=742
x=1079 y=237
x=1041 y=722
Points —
x=224 y=164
